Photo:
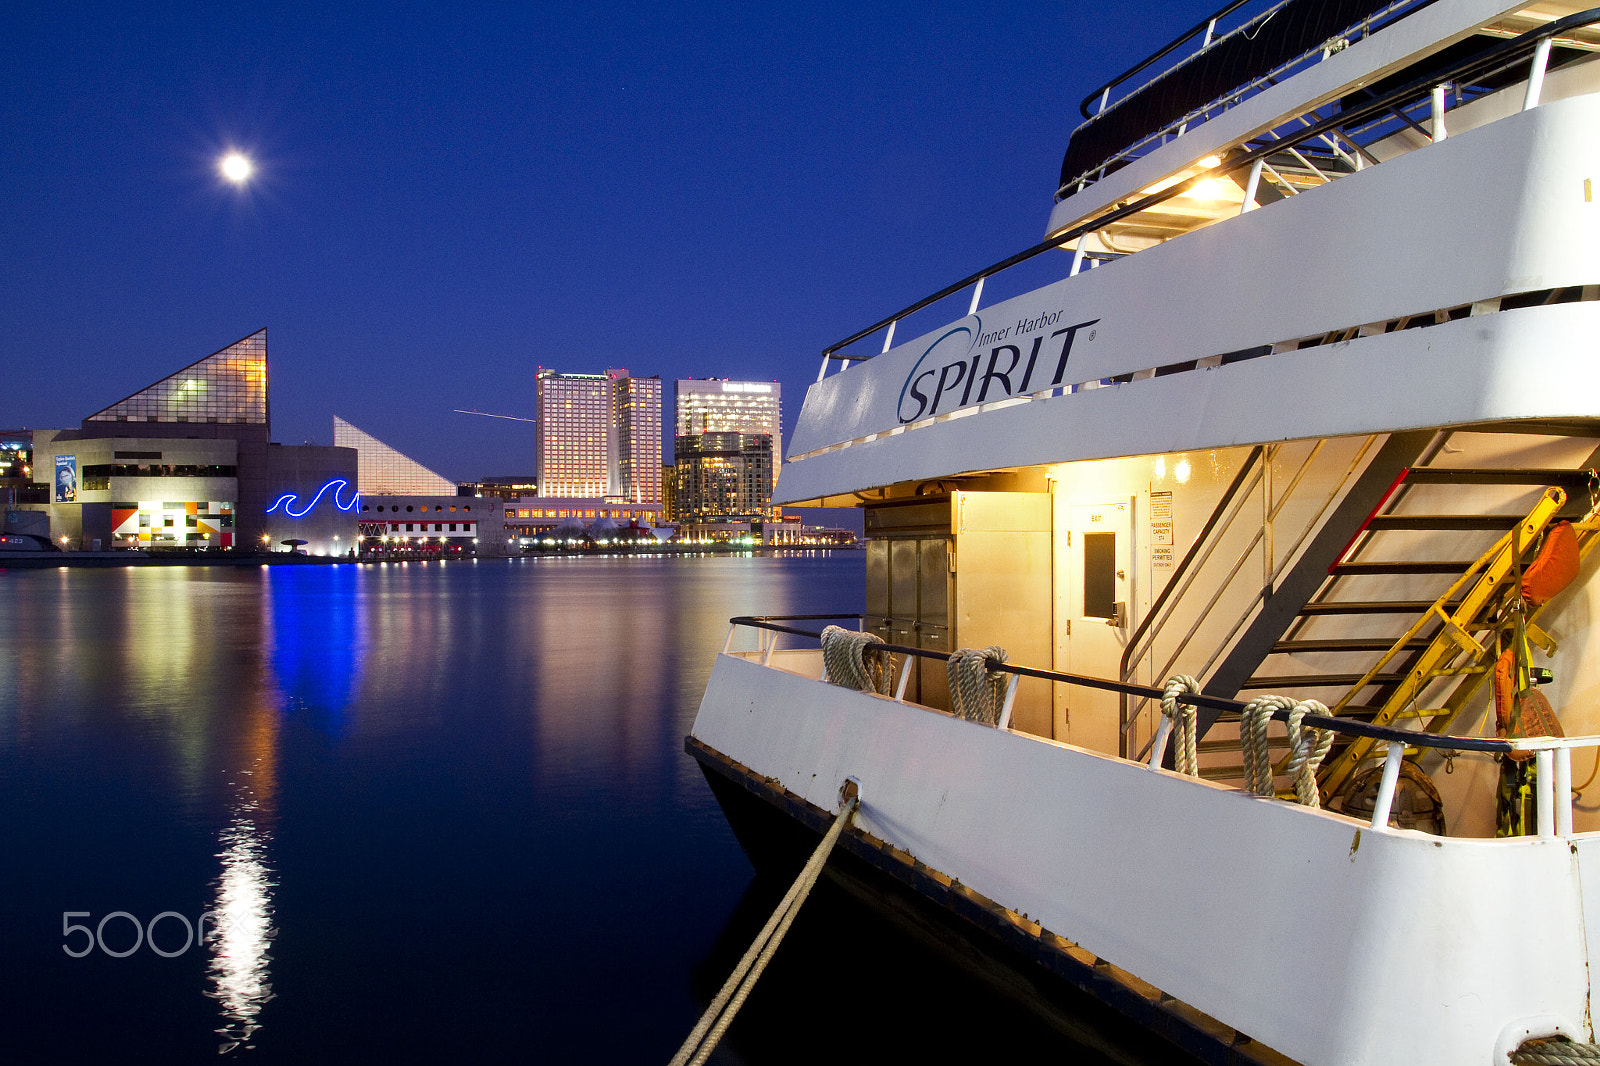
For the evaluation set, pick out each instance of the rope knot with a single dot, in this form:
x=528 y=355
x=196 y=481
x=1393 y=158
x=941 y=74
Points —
x=845 y=660
x=1308 y=746
x=1253 y=742
x=976 y=690
x=1185 y=756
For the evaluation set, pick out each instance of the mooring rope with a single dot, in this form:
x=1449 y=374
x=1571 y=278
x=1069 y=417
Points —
x=1253 y=742
x=719 y=1015
x=976 y=691
x=1555 y=1051
x=1308 y=746
x=847 y=665
x=1185 y=754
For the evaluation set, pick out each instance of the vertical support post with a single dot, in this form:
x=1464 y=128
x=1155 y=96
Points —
x=1545 y=762
x=772 y=645
x=727 y=645
x=1105 y=98
x=827 y=357
x=1211 y=30
x=977 y=294
x=1394 y=755
x=1011 y=698
x=1158 y=746
x=1438 y=132
x=1267 y=548
x=1541 y=59
x=888 y=338
x=905 y=678
x=1251 y=186
x=1077 y=255
x=1562 y=786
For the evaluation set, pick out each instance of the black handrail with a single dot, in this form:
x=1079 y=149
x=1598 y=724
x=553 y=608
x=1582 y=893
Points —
x=1083 y=106
x=1347 y=726
x=1507 y=50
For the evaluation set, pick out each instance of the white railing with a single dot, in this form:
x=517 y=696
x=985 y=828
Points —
x=1552 y=755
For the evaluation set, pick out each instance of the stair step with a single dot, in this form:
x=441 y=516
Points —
x=1318 y=681
x=1445 y=521
x=1413 y=607
x=1404 y=566
x=1461 y=475
x=1346 y=644
x=1205 y=747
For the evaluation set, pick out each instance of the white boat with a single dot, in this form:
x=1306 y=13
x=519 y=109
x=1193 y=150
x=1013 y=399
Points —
x=1309 y=399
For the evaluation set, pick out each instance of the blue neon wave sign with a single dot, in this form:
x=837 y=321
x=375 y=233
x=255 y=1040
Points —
x=288 y=500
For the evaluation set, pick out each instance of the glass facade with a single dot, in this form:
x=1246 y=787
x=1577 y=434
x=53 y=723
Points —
x=227 y=386
x=725 y=449
x=724 y=477
x=383 y=471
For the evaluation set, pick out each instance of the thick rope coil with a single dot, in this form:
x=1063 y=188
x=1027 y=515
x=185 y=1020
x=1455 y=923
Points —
x=1308 y=746
x=844 y=658
x=1253 y=742
x=1555 y=1051
x=1185 y=751
x=976 y=692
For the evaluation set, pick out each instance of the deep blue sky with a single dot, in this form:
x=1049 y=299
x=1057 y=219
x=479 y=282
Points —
x=452 y=195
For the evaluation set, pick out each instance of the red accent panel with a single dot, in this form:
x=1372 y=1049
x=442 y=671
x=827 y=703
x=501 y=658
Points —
x=1367 y=521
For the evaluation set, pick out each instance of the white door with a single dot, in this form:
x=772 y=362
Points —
x=1093 y=593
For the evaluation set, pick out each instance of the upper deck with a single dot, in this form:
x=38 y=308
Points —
x=1285 y=249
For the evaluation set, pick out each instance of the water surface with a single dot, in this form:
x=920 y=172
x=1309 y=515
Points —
x=427 y=812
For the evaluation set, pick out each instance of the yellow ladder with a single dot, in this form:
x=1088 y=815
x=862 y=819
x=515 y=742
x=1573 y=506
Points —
x=1453 y=649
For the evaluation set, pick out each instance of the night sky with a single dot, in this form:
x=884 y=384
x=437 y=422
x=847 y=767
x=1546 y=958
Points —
x=449 y=196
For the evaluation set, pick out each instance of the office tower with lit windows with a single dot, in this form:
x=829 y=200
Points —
x=599 y=435
x=726 y=450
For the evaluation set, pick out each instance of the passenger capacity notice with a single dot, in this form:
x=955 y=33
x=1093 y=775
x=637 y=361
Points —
x=1161 y=531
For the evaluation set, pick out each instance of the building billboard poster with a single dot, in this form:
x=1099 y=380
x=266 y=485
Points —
x=66 y=479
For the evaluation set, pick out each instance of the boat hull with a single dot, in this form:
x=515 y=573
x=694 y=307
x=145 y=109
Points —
x=1325 y=940
x=1092 y=1003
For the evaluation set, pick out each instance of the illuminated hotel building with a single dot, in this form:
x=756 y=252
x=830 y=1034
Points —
x=636 y=412
x=573 y=412
x=599 y=436
x=726 y=449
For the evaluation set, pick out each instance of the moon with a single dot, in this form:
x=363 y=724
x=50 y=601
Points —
x=236 y=168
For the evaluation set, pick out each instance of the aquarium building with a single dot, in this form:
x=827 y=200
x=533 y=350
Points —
x=187 y=463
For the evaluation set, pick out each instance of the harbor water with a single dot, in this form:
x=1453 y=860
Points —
x=416 y=813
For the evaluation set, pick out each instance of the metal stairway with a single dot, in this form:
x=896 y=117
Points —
x=1403 y=622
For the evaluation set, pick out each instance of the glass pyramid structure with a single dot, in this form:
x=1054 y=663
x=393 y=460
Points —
x=226 y=386
x=383 y=471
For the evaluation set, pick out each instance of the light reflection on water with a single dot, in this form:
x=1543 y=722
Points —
x=242 y=934
x=371 y=777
